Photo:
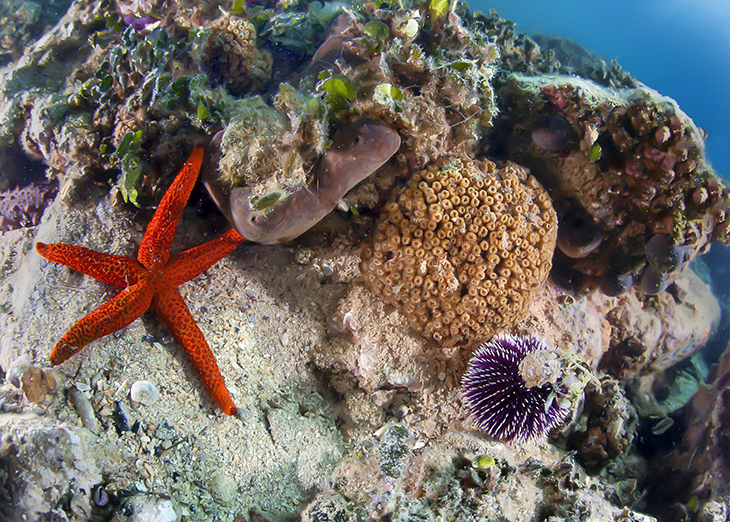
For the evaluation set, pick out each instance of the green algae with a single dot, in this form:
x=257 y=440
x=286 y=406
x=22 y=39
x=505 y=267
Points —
x=594 y=154
x=394 y=451
x=127 y=157
x=439 y=7
x=266 y=201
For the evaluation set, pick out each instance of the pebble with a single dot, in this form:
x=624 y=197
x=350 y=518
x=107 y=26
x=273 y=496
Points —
x=99 y=496
x=17 y=369
x=40 y=385
x=223 y=487
x=147 y=508
x=327 y=270
x=144 y=392
x=84 y=409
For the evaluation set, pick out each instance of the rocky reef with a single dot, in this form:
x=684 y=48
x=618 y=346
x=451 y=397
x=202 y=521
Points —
x=414 y=178
x=626 y=170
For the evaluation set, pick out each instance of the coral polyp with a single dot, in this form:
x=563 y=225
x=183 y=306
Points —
x=512 y=388
x=463 y=249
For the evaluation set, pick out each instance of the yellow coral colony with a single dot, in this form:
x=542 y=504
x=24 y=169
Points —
x=463 y=249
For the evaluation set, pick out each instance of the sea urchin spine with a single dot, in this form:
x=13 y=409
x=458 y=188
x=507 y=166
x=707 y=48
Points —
x=496 y=393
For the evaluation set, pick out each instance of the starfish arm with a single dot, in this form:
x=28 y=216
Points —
x=170 y=307
x=155 y=246
x=191 y=263
x=108 y=268
x=113 y=315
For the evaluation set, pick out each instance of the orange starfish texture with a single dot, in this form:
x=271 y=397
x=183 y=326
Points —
x=151 y=281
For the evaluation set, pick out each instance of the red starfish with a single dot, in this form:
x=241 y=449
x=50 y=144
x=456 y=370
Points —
x=151 y=281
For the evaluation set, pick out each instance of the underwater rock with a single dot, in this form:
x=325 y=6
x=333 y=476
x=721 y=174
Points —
x=576 y=59
x=428 y=76
x=358 y=149
x=607 y=427
x=328 y=507
x=517 y=51
x=22 y=21
x=147 y=507
x=385 y=352
x=45 y=467
x=97 y=98
x=638 y=169
x=614 y=285
x=462 y=477
x=699 y=464
x=575 y=323
x=463 y=249
x=651 y=339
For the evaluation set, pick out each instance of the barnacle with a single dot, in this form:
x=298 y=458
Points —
x=462 y=250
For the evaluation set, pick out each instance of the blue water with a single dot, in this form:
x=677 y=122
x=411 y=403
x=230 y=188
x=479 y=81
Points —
x=681 y=48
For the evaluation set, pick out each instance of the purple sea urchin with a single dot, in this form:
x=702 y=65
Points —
x=512 y=387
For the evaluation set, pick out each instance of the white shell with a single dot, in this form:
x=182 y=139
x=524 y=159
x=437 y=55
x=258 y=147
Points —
x=144 y=392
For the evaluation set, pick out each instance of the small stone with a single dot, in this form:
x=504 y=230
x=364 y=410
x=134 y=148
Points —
x=147 y=508
x=99 y=496
x=79 y=506
x=41 y=385
x=17 y=369
x=223 y=487
x=83 y=387
x=84 y=409
x=383 y=398
x=144 y=392
x=327 y=270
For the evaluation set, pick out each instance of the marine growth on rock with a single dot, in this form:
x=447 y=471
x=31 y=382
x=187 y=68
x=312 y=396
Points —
x=627 y=173
x=357 y=150
x=24 y=206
